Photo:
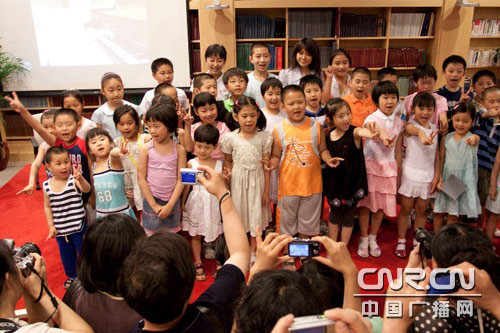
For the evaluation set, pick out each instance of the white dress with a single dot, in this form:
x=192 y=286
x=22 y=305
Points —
x=202 y=215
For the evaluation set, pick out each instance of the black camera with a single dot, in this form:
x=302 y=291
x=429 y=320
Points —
x=424 y=237
x=22 y=256
x=303 y=248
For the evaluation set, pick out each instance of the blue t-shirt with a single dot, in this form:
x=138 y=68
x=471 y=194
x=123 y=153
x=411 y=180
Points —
x=489 y=133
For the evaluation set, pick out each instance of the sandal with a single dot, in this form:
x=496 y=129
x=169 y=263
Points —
x=400 y=250
x=200 y=272
x=67 y=283
x=218 y=266
x=290 y=265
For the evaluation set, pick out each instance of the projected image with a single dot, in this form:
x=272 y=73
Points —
x=91 y=32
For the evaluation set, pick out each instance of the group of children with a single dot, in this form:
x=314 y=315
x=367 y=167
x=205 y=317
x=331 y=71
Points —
x=289 y=140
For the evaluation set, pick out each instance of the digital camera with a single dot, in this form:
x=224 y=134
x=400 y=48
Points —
x=188 y=176
x=312 y=324
x=303 y=248
x=424 y=237
x=22 y=256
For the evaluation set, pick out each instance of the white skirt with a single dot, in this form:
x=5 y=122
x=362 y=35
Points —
x=413 y=189
x=494 y=205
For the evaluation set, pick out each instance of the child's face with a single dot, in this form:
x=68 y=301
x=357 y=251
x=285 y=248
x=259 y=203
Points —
x=165 y=73
x=294 y=104
x=272 y=97
x=492 y=102
x=462 y=122
x=340 y=65
x=391 y=77
x=215 y=65
x=423 y=114
x=171 y=92
x=60 y=165
x=453 y=74
x=342 y=119
x=127 y=126
x=236 y=85
x=313 y=95
x=387 y=103
x=113 y=91
x=158 y=131
x=482 y=83
x=303 y=58
x=247 y=118
x=203 y=150
x=100 y=146
x=426 y=84
x=260 y=58
x=66 y=127
x=48 y=124
x=71 y=102
x=207 y=113
x=209 y=86
x=360 y=83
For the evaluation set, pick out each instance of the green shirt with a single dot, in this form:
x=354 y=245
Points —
x=229 y=104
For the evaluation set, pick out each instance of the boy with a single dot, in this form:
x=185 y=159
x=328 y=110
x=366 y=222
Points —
x=454 y=70
x=215 y=59
x=235 y=80
x=390 y=74
x=313 y=87
x=163 y=71
x=482 y=80
x=359 y=98
x=260 y=57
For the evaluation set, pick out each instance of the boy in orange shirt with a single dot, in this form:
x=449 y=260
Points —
x=359 y=98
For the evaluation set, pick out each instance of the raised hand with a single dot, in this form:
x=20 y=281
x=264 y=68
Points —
x=427 y=140
x=329 y=71
x=374 y=130
x=123 y=148
x=465 y=96
x=77 y=174
x=389 y=142
x=188 y=118
x=334 y=162
x=15 y=103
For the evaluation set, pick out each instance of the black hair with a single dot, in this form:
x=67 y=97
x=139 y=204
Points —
x=157 y=63
x=271 y=295
x=123 y=110
x=161 y=86
x=490 y=89
x=106 y=244
x=7 y=264
x=203 y=99
x=270 y=82
x=386 y=71
x=108 y=76
x=310 y=46
x=454 y=59
x=258 y=44
x=339 y=52
x=464 y=107
x=54 y=150
x=68 y=112
x=72 y=93
x=200 y=78
x=384 y=87
x=459 y=242
x=291 y=88
x=97 y=131
x=208 y=134
x=165 y=114
x=310 y=79
x=424 y=70
x=157 y=278
x=216 y=50
x=483 y=73
x=49 y=113
x=163 y=99
x=333 y=105
x=235 y=71
x=361 y=70
x=423 y=99
x=249 y=101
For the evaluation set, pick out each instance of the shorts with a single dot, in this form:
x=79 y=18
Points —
x=343 y=215
x=297 y=214
x=151 y=221
x=483 y=184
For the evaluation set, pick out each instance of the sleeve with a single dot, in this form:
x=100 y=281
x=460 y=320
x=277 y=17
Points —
x=268 y=142
x=407 y=103
x=144 y=106
x=282 y=76
x=276 y=136
x=183 y=99
x=226 y=145
x=40 y=328
x=369 y=119
x=97 y=116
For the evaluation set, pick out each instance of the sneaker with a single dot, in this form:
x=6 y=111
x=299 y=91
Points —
x=375 y=250
x=209 y=252
x=497 y=232
x=363 y=248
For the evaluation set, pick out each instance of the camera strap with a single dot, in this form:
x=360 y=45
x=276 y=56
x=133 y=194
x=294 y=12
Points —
x=7 y=325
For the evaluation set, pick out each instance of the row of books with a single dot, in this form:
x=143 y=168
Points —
x=406 y=86
x=353 y=25
x=480 y=57
x=485 y=27
x=16 y=125
x=34 y=102
x=405 y=57
x=196 y=58
x=367 y=57
x=310 y=23
x=88 y=100
x=412 y=24
x=195 y=26
x=259 y=26
x=243 y=53
x=324 y=53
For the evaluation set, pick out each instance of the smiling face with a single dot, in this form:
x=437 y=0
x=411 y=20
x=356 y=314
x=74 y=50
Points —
x=387 y=103
x=165 y=73
x=66 y=127
x=294 y=103
x=236 y=85
x=462 y=122
x=342 y=119
x=207 y=113
x=340 y=65
x=127 y=126
x=60 y=165
x=360 y=83
x=215 y=65
x=272 y=97
x=247 y=118
x=313 y=95
x=71 y=102
x=113 y=91
x=209 y=86
x=423 y=114
x=304 y=58
x=260 y=58
x=492 y=102
x=100 y=146
x=453 y=74
x=203 y=150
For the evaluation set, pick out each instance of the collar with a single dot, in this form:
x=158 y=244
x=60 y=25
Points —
x=312 y=114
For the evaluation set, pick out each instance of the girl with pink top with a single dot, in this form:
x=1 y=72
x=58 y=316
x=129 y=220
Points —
x=158 y=171
x=381 y=168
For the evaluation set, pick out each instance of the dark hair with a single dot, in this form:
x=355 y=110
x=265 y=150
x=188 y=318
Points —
x=217 y=51
x=291 y=88
x=459 y=242
x=203 y=99
x=7 y=264
x=483 y=73
x=108 y=76
x=235 y=71
x=163 y=99
x=454 y=59
x=161 y=86
x=328 y=284
x=54 y=150
x=97 y=131
x=333 y=105
x=464 y=107
x=165 y=114
x=49 y=113
x=67 y=112
x=249 y=101
x=361 y=70
x=200 y=78
x=384 y=87
x=258 y=44
x=106 y=244
x=157 y=63
x=423 y=99
x=310 y=46
x=157 y=278
x=490 y=89
x=310 y=79
x=386 y=71
x=123 y=110
x=424 y=70
x=208 y=134
x=72 y=93
x=270 y=82
x=271 y=295
x=339 y=52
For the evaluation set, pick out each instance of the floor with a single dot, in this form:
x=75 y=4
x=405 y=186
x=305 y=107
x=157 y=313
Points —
x=11 y=170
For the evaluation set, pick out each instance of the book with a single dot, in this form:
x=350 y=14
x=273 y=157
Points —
x=194 y=26
x=311 y=23
x=405 y=57
x=412 y=24
x=483 y=57
x=354 y=25
x=486 y=27
x=367 y=57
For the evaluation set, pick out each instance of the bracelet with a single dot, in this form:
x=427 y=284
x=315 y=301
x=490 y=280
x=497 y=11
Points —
x=224 y=197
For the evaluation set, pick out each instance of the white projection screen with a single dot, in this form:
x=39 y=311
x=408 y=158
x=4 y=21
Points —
x=72 y=43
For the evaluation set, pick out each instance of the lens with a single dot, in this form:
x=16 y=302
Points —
x=29 y=248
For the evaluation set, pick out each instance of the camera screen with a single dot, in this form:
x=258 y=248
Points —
x=298 y=250
x=188 y=177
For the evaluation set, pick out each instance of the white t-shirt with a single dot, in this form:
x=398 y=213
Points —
x=104 y=116
x=86 y=126
x=335 y=91
x=273 y=119
x=147 y=100
x=253 y=89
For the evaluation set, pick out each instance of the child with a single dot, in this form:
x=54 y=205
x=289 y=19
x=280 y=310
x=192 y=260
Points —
x=480 y=81
x=64 y=208
x=390 y=74
x=260 y=57
x=201 y=216
x=158 y=171
x=312 y=87
x=243 y=150
x=305 y=60
x=107 y=173
x=381 y=168
x=73 y=99
x=458 y=157
x=337 y=79
x=235 y=80
x=359 y=99
x=163 y=71
x=425 y=77
x=419 y=172
x=112 y=89
x=454 y=70
x=169 y=90
x=346 y=184
x=127 y=121
x=493 y=201
x=215 y=59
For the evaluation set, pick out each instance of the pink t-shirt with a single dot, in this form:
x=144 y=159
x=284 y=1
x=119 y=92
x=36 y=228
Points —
x=441 y=107
x=223 y=129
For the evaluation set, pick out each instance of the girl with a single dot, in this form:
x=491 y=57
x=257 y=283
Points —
x=73 y=99
x=493 y=201
x=305 y=60
x=107 y=171
x=127 y=121
x=381 y=168
x=244 y=148
x=201 y=216
x=112 y=89
x=458 y=157
x=337 y=79
x=346 y=184
x=158 y=171
x=419 y=172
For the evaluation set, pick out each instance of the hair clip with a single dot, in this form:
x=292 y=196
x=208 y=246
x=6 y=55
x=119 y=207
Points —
x=455 y=106
x=237 y=104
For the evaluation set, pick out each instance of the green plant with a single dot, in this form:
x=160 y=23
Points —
x=10 y=65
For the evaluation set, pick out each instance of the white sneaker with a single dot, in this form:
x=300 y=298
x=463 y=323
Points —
x=497 y=232
x=363 y=247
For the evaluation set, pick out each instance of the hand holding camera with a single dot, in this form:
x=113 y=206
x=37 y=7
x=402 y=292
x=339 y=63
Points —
x=269 y=250
x=338 y=256
x=212 y=181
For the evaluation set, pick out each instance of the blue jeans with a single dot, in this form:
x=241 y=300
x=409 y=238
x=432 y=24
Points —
x=69 y=248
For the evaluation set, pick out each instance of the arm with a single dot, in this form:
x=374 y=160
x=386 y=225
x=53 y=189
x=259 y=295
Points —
x=442 y=157
x=48 y=216
x=327 y=85
x=267 y=178
x=228 y=166
x=35 y=167
x=115 y=158
x=276 y=152
x=435 y=180
x=182 y=141
x=179 y=187
x=188 y=140
x=473 y=140
x=185 y=192
x=81 y=182
x=494 y=176
x=142 y=172
x=399 y=158
x=332 y=162
x=412 y=130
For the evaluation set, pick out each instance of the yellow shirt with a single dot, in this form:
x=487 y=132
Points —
x=360 y=109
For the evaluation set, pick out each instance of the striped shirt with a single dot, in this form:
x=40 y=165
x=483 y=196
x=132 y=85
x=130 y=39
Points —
x=489 y=133
x=67 y=208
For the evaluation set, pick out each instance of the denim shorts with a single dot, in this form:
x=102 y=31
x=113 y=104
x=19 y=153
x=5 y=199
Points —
x=151 y=221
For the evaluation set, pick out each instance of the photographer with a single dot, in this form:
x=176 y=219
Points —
x=39 y=304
